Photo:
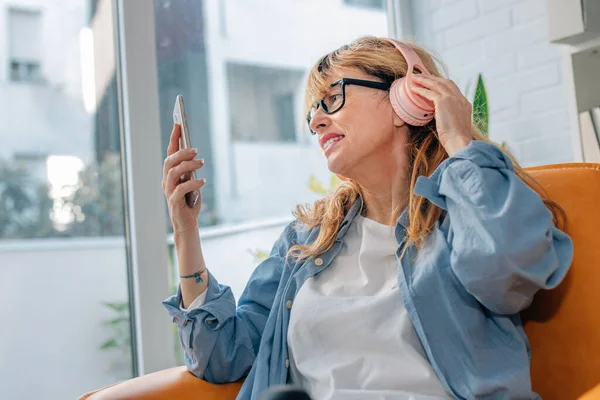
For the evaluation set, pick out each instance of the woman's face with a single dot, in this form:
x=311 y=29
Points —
x=366 y=129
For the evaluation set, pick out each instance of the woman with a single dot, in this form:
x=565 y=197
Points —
x=408 y=280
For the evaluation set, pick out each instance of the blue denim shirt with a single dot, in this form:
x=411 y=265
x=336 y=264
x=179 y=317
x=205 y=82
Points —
x=492 y=249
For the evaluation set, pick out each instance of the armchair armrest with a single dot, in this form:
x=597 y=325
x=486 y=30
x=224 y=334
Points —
x=592 y=394
x=173 y=383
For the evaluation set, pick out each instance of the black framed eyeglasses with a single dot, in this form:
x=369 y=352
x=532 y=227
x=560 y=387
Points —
x=336 y=98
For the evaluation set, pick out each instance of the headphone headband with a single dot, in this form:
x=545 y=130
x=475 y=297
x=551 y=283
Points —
x=410 y=55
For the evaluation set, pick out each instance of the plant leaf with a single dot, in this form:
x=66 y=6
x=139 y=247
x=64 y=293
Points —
x=117 y=306
x=110 y=344
x=335 y=181
x=481 y=113
x=259 y=255
x=117 y=321
x=315 y=186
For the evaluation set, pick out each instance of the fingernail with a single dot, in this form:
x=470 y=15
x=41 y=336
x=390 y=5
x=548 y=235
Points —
x=195 y=151
x=201 y=161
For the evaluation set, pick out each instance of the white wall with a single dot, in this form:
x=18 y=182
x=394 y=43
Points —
x=52 y=315
x=507 y=41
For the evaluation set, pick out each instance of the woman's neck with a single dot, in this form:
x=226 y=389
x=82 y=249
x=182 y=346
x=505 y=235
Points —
x=384 y=208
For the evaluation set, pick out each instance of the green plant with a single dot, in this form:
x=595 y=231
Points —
x=15 y=199
x=24 y=203
x=120 y=341
x=119 y=325
x=315 y=186
x=481 y=112
x=97 y=200
x=95 y=203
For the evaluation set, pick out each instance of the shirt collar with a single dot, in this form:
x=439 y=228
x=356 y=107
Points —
x=403 y=220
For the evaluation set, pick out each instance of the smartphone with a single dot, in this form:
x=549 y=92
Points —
x=179 y=117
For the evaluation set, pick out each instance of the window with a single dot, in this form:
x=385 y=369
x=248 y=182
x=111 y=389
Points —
x=262 y=107
x=589 y=122
x=25 y=45
x=62 y=240
x=25 y=71
x=376 y=4
x=284 y=111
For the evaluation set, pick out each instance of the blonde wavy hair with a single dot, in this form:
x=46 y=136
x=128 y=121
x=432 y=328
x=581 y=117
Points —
x=379 y=58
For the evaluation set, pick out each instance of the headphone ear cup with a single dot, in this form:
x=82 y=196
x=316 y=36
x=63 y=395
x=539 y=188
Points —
x=411 y=108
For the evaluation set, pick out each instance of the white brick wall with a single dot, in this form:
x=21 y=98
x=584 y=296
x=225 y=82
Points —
x=507 y=41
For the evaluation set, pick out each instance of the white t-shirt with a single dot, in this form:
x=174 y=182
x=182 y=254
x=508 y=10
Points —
x=350 y=336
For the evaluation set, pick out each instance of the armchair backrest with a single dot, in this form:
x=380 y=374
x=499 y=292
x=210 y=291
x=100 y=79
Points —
x=563 y=325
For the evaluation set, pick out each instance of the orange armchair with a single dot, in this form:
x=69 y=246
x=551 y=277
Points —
x=563 y=325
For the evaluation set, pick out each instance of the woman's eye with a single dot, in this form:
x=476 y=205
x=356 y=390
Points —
x=334 y=97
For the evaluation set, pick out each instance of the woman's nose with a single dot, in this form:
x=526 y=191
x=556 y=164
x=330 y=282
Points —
x=319 y=120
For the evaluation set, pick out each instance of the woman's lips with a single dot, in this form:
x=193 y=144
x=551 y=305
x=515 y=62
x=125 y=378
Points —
x=332 y=145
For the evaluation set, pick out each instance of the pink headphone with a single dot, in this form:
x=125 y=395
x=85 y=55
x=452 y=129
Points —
x=413 y=109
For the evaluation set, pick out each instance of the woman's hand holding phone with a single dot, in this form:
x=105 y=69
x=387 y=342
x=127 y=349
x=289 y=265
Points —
x=181 y=163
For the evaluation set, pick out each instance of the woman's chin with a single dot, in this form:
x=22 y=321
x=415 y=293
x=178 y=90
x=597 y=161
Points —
x=335 y=166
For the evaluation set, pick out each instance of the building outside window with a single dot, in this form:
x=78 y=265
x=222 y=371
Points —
x=25 y=45
x=375 y=4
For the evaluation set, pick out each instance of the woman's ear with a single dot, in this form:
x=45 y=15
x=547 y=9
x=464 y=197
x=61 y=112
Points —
x=398 y=122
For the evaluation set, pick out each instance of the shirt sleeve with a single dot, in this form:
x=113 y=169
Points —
x=221 y=341
x=197 y=303
x=504 y=245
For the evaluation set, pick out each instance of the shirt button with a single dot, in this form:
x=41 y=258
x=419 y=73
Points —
x=319 y=262
x=287 y=363
x=288 y=304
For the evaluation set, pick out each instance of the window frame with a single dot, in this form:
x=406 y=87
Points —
x=147 y=264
